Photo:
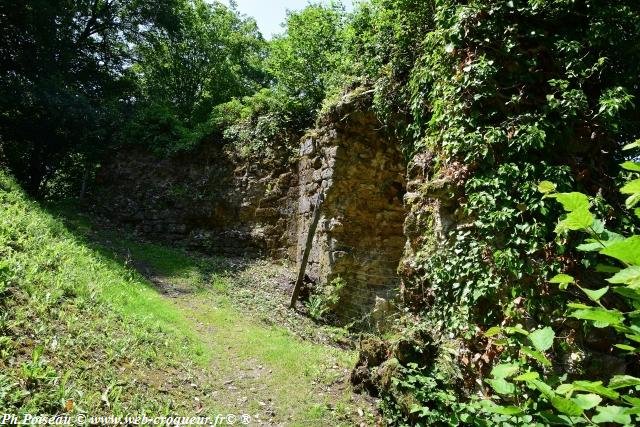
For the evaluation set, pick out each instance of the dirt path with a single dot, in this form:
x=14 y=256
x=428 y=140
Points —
x=258 y=358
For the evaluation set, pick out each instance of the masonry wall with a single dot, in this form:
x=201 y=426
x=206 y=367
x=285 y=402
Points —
x=209 y=199
x=214 y=200
x=360 y=234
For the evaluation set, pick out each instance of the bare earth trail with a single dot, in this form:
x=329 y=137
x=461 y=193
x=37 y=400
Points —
x=255 y=357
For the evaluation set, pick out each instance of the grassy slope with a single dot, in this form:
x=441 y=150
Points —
x=77 y=324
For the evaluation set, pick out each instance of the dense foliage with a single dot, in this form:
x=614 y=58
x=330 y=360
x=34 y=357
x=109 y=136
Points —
x=498 y=95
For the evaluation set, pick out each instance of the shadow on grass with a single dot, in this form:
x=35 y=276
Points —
x=172 y=270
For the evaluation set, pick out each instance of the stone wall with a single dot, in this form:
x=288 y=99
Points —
x=216 y=201
x=360 y=233
x=208 y=199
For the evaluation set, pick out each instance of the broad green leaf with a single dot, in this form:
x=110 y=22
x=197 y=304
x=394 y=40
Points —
x=493 y=331
x=489 y=406
x=579 y=219
x=632 y=200
x=597 y=314
x=631 y=187
x=565 y=389
x=587 y=401
x=546 y=187
x=627 y=250
x=516 y=329
x=635 y=401
x=630 y=166
x=625 y=347
x=501 y=386
x=596 y=294
x=595 y=387
x=628 y=276
x=527 y=376
x=612 y=414
x=566 y=406
x=543 y=388
x=632 y=145
x=504 y=370
x=542 y=339
x=536 y=355
x=572 y=201
x=628 y=292
x=621 y=381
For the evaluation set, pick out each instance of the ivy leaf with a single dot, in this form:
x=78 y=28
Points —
x=536 y=355
x=566 y=406
x=596 y=294
x=627 y=250
x=502 y=386
x=612 y=414
x=546 y=187
x=621 y=381
x=597 y=314
x=562 y=279
x=628 y=276
x=542 y=339
x=587 y=401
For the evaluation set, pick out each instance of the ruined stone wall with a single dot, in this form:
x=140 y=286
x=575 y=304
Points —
x=360 y=233
x=216 y=201
x=208 y=199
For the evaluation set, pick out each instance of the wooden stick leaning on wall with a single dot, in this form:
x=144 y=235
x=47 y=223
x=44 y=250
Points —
x=315 y=218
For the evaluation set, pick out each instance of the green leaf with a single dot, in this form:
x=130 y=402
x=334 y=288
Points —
x=536 y=355
x=597 y=314
x=527 y=376
x=630 y=166
x=596 y=294
x=595 y=387
x=546 y=187
x=631 y=187
x=628 y=276
x=516 y=329
x=572 y=201
x=627 y=250
x=562 y=279
x=625 y=347
x=489 y=406
x=632 y=200
x=542 y=339
x=493 y=331
x=587 y=401
x=612 y=414
x=504 y=370
x=502 y=386
x=566 y=406
x=579 y=219
x=632 y=145
x=621 y=381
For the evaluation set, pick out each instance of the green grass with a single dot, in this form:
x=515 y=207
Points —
x=78 y=323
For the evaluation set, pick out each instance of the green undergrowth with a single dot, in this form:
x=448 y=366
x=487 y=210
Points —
x=94 y=323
